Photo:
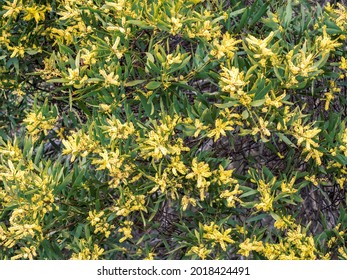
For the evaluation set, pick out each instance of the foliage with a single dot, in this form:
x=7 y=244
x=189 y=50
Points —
x=173 y=129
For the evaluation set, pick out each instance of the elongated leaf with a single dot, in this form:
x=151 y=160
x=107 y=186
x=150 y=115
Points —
x=153 y=85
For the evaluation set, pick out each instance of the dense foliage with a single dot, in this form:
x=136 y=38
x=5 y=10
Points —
x=169 y=129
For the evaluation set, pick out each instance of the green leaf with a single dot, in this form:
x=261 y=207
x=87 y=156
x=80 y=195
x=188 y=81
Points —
x=285 y=139
x=257 y=103
x=65 y=50
x=259 y=14
x=245 y=114
x=259 y=95
x=237 y=12
x=153 y=85
x=257 y=218
x=288 y=14
x=140 y=23
x=60 y=80
x=15 y=62
x=249 y=193
x=226 y=105
x=134 y=83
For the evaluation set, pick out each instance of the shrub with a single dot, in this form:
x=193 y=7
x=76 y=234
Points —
x=173 y=129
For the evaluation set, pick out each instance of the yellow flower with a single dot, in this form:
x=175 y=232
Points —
x=117 y=130
x=259 y=47
x=231 y=196
x=325 y=43
x=109 y=160
x=69 y=13
x=117 y=5
x=98 y=221
x=200 y=171
x=305 y=135
x=86 y=253
x=304 y=64
x=262 y=128
x=343 y=64
x=12 y=151
x=110 y=79
x=177 y=166
x=126 y=230
x=35 y=12
x=200 y=250
x=288 y=187
x=331 y=242
x=284 y=222
x=226 y=47
x=342 y=253
x=312 y=179
x=129 y=203
x=78 y=143
x=17 y=51
x=266 y=199
x=176 y=25
x=232 y=80
x=224 y=177
x=13 y=9
x=88 y=57
x=105 y=108
x=159 y=141
x=328 y=97
x=25 y=253
x=314 y=154
x=217 y=234
x=150 y=256
x=186 y=200
x=37 y=122
x=247 y=246
x=161 y=182
x=170 y=59
x=21 y=231
x=116 y=50
x=204 y=29
x=74 y=78
x=221 y=127
x=199 y=126
x=272 y=100
x=342 y=16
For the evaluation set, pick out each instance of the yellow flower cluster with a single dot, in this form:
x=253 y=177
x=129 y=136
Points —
x=338 y=14
x=126 y=230
x=266 y=196
x=250 y=245
x=37 y=123
x=305 y=137
x=98 y=221
x=117 y=130
x=284 y=222
x=201 y=251
x=288 y=187
x=225 y=47
x=232 y=81
x=330 y=95
x=159 y=142
x=296 y=245
x=79 y=144
x=129 y=203
x=217 y=234
x=200 y=172
x=261 y=50
x=87 y=253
